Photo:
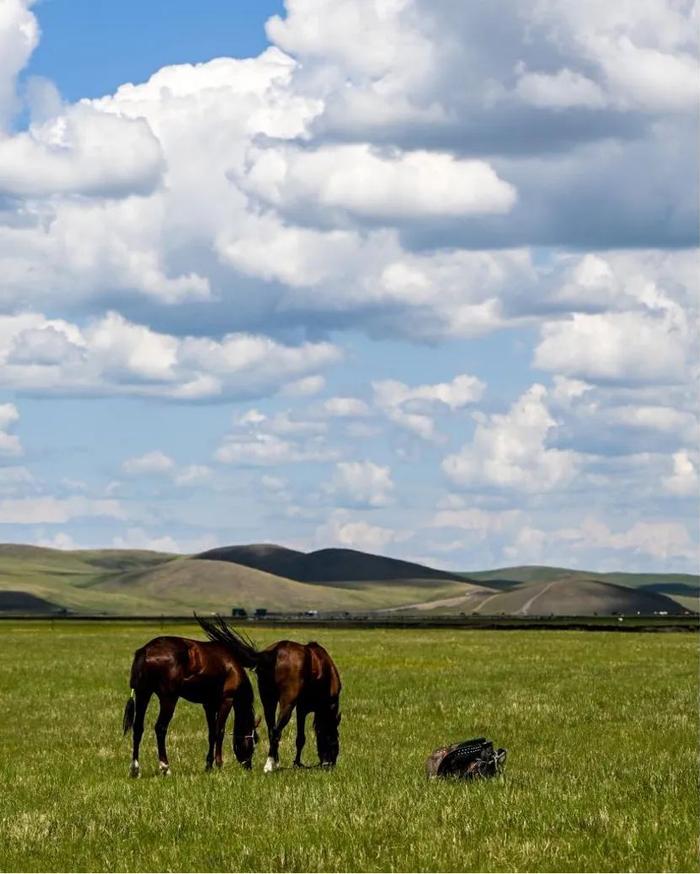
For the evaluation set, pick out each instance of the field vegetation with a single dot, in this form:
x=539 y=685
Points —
x=602 y=772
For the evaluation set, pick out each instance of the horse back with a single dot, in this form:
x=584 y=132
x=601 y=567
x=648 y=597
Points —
x=296 y=669
x=181 y=662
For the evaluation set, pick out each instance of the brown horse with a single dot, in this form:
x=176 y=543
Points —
x=204 y=673
x=289 y=675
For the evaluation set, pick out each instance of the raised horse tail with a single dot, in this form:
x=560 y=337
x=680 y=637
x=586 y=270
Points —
x=130 y=708
x=240 y=645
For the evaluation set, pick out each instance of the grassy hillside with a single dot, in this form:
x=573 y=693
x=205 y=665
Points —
x=66 y=580
x=683 y=588
x=140 y=582
x=568 y=596
x=561 y=596
x=219 y=585
x=112 y=581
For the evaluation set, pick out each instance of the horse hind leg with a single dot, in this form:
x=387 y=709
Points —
x=167 y=708
x=273 y=760
x=301 y=736
x=141 y=700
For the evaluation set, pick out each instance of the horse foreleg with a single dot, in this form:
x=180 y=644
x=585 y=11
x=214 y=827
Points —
x=301 y=736
x=140 y=706
x=210 y=712
x=167 y=708
x=224 y=710
x=285 y=713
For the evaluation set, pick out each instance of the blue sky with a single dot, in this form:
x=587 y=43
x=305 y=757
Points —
x=410 y=277
x=90 y=47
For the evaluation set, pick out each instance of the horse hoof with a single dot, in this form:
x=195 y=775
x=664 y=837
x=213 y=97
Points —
x=134 y=770
x=165 y=770
x=270 y=765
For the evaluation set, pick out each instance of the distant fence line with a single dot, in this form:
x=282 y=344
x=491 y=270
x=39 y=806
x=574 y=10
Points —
x=636 y=623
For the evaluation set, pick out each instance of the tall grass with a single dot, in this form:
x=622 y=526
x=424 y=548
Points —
x=602 y=734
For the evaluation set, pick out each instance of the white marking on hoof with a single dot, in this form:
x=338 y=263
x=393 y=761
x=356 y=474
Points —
x=135 y=771
x=270 y=765
x=165 y=769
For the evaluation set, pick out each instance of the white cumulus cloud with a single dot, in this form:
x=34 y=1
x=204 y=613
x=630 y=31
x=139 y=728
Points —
x=683 y=479
x=345 y=531
x=112 y=356
x=344 y=407
x=368 y=183
x=9 y=443
x=413 y=407
x=83 y=151
x=630 y=347
x=362 y=483
x=155 y=462
x=51 y=510
x=19 y=36
x=510 y=450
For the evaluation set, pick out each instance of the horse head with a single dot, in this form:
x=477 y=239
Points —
x=244 y=744
x=327 y=740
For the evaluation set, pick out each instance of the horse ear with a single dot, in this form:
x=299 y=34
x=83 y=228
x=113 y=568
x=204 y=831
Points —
x=258 y=721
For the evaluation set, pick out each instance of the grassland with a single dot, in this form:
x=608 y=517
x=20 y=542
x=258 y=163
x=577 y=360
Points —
x=602 y=773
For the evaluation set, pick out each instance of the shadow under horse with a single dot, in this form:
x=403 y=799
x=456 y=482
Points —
x=289 y=675
x=206 y=673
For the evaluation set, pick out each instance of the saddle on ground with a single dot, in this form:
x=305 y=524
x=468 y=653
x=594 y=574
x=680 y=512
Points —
x=473 y=759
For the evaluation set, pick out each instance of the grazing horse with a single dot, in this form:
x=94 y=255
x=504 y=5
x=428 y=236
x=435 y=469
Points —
x=289 y=675
x=204 y=673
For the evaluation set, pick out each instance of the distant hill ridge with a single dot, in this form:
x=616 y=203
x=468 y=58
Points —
x=325 y=565
x=40 y=580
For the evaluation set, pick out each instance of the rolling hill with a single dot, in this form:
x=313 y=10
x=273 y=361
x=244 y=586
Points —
x=139 y=582
x=325 y=565
x=196 y=583
x=575 y=596
x=683 y=588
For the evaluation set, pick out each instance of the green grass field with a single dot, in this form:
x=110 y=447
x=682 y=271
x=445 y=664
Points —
x=602 y=733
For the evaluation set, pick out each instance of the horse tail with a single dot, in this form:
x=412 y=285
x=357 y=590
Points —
x=130 y=708
x=129 y=712
x=240 y=645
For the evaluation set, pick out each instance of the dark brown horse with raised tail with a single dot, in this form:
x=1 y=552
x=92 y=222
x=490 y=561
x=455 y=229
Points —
x=289 y=675
x=205 y=673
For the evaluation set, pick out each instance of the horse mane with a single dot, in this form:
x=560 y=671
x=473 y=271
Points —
x=219 y=631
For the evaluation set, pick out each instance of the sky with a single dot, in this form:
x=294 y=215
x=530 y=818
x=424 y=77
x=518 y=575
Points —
x=410 y=276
